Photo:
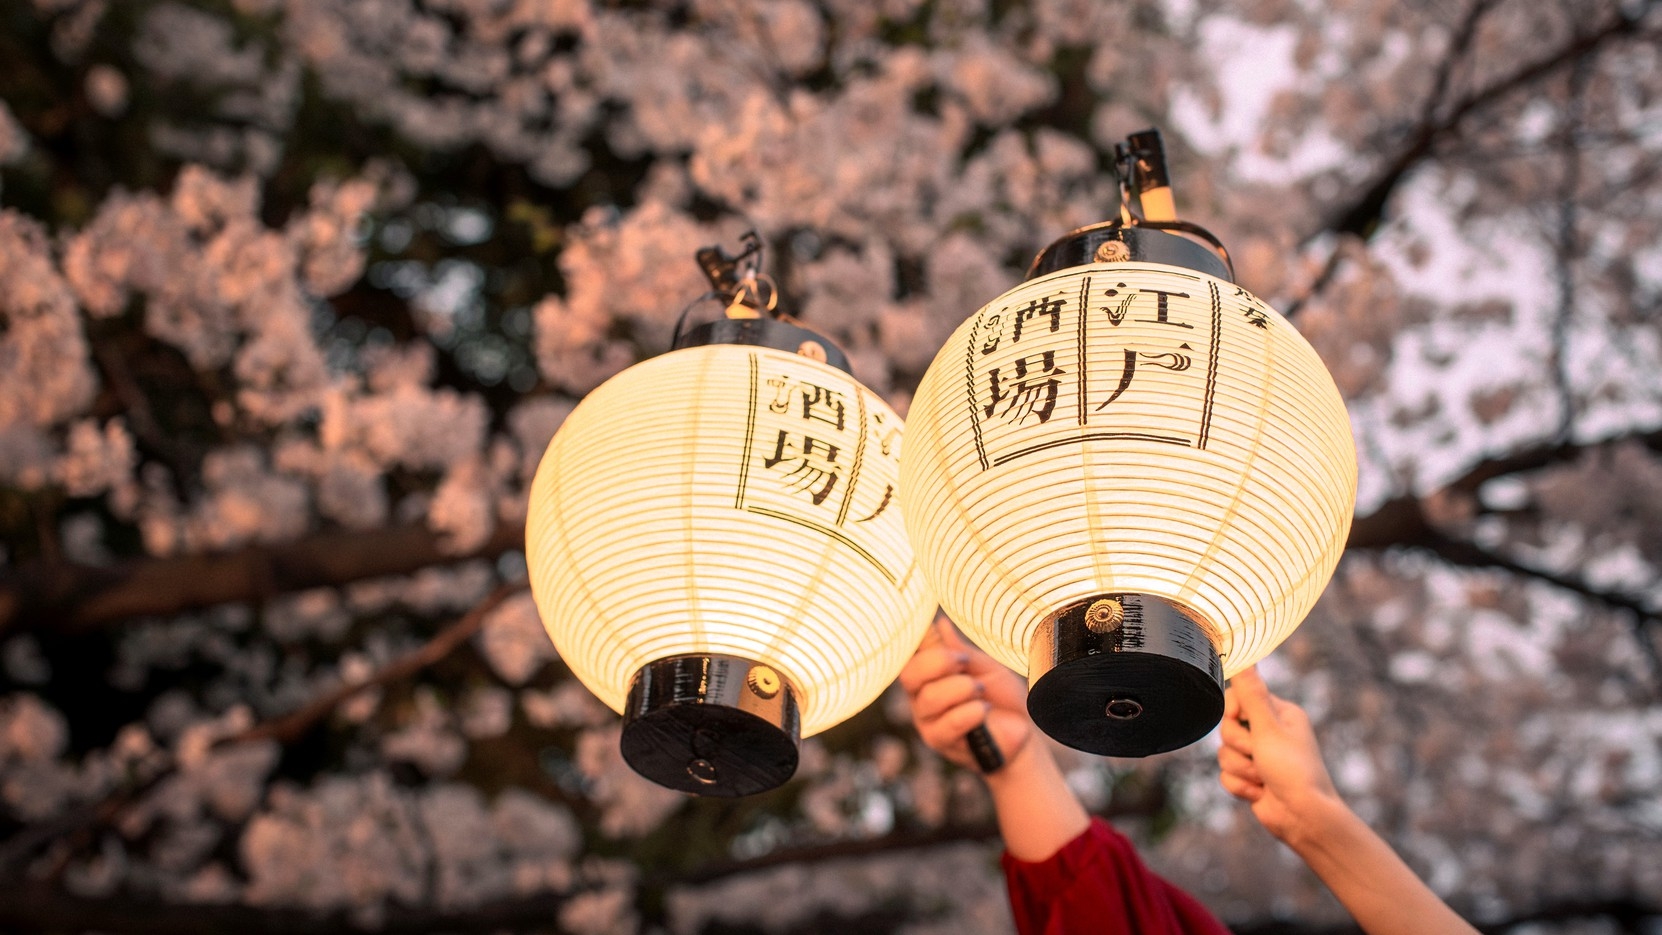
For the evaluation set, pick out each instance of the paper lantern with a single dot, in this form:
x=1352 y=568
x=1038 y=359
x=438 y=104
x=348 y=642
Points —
x=1128 y=478
x=716 y=550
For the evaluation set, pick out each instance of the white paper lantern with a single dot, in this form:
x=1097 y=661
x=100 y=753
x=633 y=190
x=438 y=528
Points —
x=1129 y=480
x=716 y=549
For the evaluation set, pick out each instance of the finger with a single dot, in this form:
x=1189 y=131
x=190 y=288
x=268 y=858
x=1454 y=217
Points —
x=1231 y=705
x=942 y=695
x=1005 y=689
x=1240 y=788
x=929 y=664
x=1288 y=713
x=1009 y=729
x=947 y=632
x=951 y=727
x=1236 y=736
x=932 y=635
x=952 y=638
x=984 y=665
x=1255 y=699
x=1233 y=763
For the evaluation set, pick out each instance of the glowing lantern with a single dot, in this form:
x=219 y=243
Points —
x=715 y=547
x=1128 y=478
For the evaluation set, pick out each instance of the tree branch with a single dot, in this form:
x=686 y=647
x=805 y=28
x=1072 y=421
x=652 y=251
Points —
x=1402 y=520
x=37 y=907
x=1363 y=214
x=1567 y=250
x=77 y=597
x=74 y=597
x=284 y=729
x=1543 y=455
x=1330 y=269
x=112 y=365
x=294 y=725
x=1141 y=805
x=1469 y=554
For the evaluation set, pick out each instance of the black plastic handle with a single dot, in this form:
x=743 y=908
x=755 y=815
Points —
x=985 y=749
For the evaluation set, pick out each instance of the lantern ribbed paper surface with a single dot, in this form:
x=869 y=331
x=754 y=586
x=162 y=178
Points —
x=730 y=501
x=1128 y=428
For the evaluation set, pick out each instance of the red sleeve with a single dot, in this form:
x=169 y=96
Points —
x=1097 y=883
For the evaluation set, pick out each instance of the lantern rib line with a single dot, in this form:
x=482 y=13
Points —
x=974 y=614
x=1225 y=522
x=1079 y=346
x=1090 y=436
x=824 y=578
x=845 y=540
x=749 y=437
x=854 y=472
x=1211 y=368
x=690 y=568
x=969 y=384
x=585 y=594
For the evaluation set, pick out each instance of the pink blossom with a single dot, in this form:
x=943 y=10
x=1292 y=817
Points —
x=45 y=373
x=514 y=642
x=14 y=141
x=96 y=461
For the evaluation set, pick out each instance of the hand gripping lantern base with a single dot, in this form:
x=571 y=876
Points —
x=1128 y=477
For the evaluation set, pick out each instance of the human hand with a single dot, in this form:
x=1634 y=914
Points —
x=955 y=688
x=1270 y=759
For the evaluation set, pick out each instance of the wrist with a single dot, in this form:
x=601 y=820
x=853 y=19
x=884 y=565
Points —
x=1037 y=813
x=1030 y=767
x=1318 y=820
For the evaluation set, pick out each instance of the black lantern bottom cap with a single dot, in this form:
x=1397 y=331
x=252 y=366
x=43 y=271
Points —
x=1124 y=675
x=711 y=725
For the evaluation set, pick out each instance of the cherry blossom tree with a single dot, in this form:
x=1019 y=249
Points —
x=293 y=293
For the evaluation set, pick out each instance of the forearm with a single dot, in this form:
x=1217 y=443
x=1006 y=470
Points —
x=1381 y=893
x=1037 y=812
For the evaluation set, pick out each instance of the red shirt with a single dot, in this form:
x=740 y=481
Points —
x=1097 y=884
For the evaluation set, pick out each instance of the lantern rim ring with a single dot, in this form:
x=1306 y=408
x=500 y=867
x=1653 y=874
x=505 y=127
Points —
x=765 y=332
x=1151 y=684
x=1146 y=242
x=712 y=724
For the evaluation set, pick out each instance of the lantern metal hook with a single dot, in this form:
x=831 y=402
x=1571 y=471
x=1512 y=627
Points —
x=739 y=278
x=735 y=279
x=751 y=314
x=723 y=271
x=1145 y=182
x=1147 y=228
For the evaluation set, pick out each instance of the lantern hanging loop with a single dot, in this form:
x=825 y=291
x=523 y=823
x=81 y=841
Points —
x=751 y=313
x=737 y=281
x=756 y=293
x=734 y=277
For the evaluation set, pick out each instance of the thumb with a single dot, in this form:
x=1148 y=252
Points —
x=1257 y=705
x=943 y=629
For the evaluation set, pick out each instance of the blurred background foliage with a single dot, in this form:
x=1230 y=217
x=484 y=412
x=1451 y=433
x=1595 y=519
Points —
x=294 y=292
